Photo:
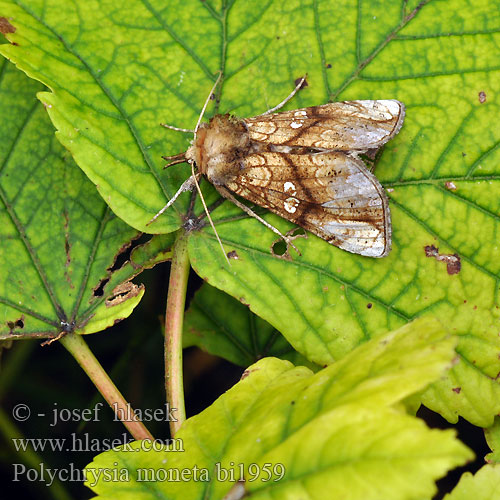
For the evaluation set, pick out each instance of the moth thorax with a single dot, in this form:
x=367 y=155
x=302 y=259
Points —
x=219 y=147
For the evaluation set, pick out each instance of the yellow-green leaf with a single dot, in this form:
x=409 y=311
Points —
x=484 y=485
x=337 y=431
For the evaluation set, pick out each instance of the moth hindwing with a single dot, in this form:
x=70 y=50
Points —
x=304 y=165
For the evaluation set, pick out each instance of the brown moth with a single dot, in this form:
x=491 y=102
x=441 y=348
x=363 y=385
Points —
x=304 y=166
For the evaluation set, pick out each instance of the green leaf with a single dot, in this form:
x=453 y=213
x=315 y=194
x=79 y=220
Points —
x=115 y=74
x=492 y=435
x=59 y=239
x=337 y=431
x=485 y=484
x=224 y=327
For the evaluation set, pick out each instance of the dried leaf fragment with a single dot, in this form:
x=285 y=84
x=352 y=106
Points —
x=123 y=292
x=453 y=263
x=6 y=27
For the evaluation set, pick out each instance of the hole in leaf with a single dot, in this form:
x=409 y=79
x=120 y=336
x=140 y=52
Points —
x=17 y=323
x=279 y=247
x=121 y=258
x=298 y=232
x=99 y=289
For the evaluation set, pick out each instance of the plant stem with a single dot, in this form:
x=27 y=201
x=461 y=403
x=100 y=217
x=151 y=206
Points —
x=174 y=318
x=77 y=347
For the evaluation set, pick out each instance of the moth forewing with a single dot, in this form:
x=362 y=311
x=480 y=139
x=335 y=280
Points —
x=339 y=126
x=303 y=165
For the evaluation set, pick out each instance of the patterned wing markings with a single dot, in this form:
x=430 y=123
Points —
x=331 y=195
x=340 y=126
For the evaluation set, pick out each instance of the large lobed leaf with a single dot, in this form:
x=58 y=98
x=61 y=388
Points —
x=59 y=240
x=339 y=433
x=116 y=73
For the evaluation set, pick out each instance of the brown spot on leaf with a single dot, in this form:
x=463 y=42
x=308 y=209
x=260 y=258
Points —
x=233 y=254
x=482 y=97
x=450 y=186
x=6 y=27
x=458 y=390
x=123 y=292
x=246 y=373
x=67 y=245
x=453 y=263
x=328 y=66
x=304 y=83
x=67 y=250
x=369 y=305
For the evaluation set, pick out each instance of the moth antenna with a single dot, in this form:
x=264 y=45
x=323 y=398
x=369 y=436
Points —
x=187 y=185
x=171 y=127
x=206 y=104
x=207 y=212
x=181 y=158
x=227 y=194
x=282 y=103
x=194 y=175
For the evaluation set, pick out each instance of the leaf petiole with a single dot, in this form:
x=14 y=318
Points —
x=174 y=318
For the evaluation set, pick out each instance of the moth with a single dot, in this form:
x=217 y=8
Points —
x=303 y=165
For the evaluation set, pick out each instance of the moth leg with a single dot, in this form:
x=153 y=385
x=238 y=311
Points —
x=171 y=127
x=370 y=158
x=187 y=185
x=282 y=103
x=227 y=194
